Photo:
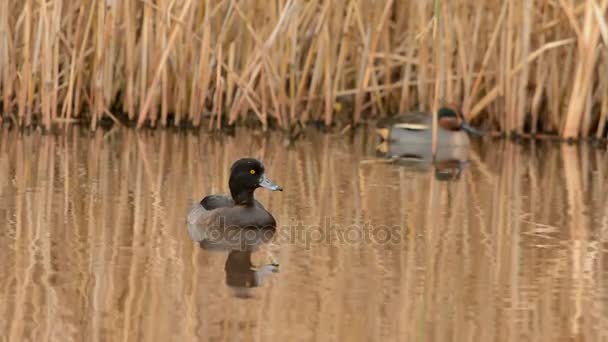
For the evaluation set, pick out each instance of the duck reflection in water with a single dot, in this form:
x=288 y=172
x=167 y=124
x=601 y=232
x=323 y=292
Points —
x=242 y=275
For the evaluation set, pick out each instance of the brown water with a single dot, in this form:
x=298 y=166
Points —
x=93 y=243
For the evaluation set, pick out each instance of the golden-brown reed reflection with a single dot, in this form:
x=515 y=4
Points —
x=94 y=245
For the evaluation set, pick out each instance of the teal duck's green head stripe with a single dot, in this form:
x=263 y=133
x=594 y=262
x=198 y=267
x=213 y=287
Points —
x=453 y=120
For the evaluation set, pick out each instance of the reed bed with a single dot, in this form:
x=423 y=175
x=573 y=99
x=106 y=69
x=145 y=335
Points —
x=514 y=66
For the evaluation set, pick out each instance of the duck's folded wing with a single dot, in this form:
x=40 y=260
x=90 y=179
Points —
x=221 y=201
x=200 y=220
x=414 y=119
x=412 y=126
x=216 y=201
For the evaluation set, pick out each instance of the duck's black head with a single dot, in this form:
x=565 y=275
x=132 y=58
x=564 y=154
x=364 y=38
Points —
x=246 y=175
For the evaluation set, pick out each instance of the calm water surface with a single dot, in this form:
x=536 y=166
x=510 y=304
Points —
x=94 y=247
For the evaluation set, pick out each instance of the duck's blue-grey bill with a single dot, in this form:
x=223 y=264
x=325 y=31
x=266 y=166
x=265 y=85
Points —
x=472 y=130
x=268 y=184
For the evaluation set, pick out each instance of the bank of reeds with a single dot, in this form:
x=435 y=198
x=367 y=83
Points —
x=524 y=66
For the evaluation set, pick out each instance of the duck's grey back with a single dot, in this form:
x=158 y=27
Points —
x=200 y=215
x=417 y=128
x=217 y=201
x=196 y=217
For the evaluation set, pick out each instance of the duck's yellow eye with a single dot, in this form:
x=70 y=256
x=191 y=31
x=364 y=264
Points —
x=252 y=171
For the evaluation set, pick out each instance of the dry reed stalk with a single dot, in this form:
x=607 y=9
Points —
x=162 y=20
x=128 y=104
x=216 y=113
x=24 y=91
x=509 y=46
x=97 y=83
x=327 y=77
x=46 y=64
x=6 y=59
x=585 y=65
x=438 y=94
x=230 y=69
x=522 y=99
x=604 y=107
x=200 y=82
